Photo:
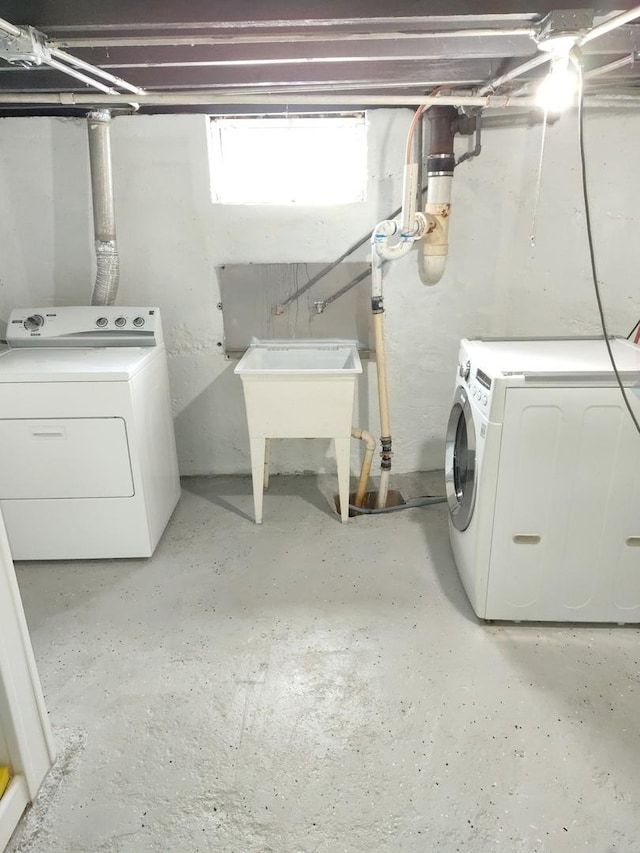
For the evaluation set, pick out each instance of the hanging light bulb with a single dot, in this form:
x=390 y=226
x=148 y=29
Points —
x=557 y=91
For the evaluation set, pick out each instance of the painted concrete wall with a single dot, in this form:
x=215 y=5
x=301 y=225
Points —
x=172 y=237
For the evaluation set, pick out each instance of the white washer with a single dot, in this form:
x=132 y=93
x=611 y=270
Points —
x=88 y=465
x=543 y=480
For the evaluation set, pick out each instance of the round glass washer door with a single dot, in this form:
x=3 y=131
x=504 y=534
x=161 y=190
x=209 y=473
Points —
x=460 y=461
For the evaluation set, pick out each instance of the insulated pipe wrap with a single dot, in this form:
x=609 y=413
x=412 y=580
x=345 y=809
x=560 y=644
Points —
x=104 y=223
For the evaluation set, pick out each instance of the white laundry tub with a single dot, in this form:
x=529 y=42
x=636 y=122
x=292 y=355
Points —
x=299 y=389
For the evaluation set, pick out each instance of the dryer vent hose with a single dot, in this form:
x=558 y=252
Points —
x=107 y=273
x=104 y=222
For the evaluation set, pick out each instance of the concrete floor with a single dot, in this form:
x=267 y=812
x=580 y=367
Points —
x=308 y=687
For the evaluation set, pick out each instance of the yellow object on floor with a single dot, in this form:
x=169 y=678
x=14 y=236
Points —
x=4 y=779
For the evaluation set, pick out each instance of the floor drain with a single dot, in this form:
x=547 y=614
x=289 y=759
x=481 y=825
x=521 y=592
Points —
x=394 y=498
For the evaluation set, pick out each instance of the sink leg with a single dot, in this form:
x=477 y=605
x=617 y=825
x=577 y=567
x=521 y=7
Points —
x=267 y=460
x=343 y=459
x=257 y=446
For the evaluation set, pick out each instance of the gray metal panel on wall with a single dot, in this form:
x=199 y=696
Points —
x=253 y=296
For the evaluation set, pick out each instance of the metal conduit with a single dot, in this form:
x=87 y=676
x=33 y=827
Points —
x=270 y=38
x=541 y=58
x=610 y=66
x=611 y=24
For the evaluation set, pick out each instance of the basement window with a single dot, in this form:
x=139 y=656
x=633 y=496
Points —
x=304 y=160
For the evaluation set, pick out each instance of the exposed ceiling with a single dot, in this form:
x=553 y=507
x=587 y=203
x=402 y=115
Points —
x=249 y=56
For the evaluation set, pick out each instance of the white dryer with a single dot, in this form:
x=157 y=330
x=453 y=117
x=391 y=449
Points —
x=88 y=465
x=543 y=480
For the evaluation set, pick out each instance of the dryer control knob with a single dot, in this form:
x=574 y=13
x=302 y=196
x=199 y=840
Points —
x=33 y=323
x=464 y=370
x=121 y=321
x=139 y=321
x=101 y=322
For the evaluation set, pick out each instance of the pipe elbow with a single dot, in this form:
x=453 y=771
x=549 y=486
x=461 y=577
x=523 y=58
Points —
x=384 y=229
x=365 y=436
x=431 y=268
x=404 y=239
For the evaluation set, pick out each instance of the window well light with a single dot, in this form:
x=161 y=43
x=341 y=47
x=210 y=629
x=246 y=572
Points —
x=557 y=91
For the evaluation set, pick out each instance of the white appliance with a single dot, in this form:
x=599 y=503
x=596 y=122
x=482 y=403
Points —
x=88 y=464
x=26 y=746
x=543 y=480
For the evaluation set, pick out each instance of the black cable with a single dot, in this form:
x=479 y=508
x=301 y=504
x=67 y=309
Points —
x=633 y=330
x=414 y=503
x=592 y=257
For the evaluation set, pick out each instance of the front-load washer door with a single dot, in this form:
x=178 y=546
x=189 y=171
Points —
x=460 y=461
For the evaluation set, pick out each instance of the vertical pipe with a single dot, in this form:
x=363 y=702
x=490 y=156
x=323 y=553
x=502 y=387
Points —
x=365 y=471
x=104 y=223
x=440 y=164
x=383 y=402
x=420 y=150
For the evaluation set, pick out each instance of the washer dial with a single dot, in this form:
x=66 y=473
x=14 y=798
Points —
x=33 y=323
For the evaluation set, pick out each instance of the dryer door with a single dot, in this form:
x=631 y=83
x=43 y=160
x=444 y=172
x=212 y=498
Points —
x=460 y=461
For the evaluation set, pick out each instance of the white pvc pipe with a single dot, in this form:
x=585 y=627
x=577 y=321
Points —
x=383 y=402
x=213 y=97
x=611 y=24
x=409 y=197
x=383 y=488
x=433 y=249
x=200 y=98
x=376 y=274
x=380 y=241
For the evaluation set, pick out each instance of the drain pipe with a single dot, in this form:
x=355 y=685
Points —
x=104 y=223
x=365 y=471
x=377 y=308
x=391 y=240
x=432 y=252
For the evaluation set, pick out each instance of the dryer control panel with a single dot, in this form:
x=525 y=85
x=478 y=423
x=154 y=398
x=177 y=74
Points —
x=85 y=326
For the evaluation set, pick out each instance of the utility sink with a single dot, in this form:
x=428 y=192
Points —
x=299 y=389
x=300 y=357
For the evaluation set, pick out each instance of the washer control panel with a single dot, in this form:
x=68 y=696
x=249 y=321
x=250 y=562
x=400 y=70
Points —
x=84 y=326
x=477 y=382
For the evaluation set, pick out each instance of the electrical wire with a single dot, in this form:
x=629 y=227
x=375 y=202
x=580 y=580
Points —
x=545 y=124
x=412 y=128
x=592 y=258
x=414 y=122
x=637 y=326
